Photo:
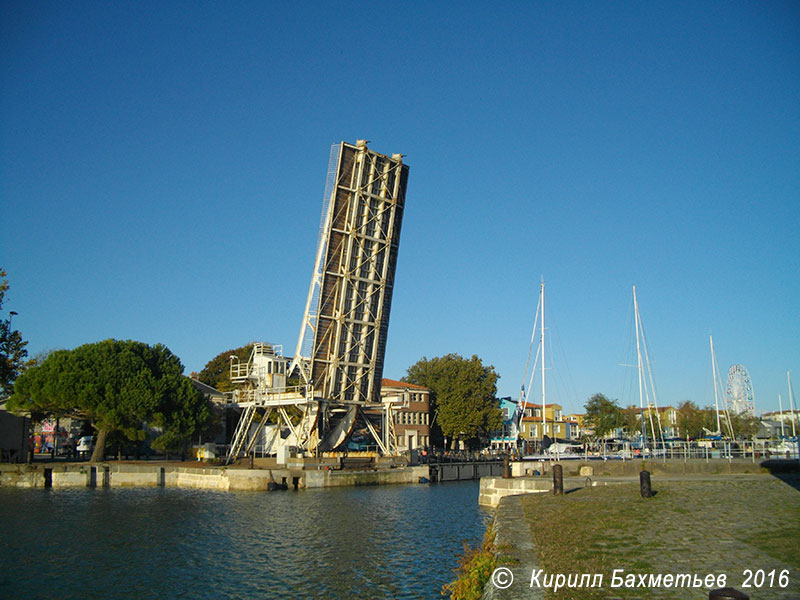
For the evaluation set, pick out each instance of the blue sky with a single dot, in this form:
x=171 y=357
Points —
x=162 y=167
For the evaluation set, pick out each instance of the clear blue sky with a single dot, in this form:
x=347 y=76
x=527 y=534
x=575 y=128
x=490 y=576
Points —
x=162 y=167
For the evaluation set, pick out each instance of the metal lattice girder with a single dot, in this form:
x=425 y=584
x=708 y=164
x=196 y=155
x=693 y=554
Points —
x=348 y=306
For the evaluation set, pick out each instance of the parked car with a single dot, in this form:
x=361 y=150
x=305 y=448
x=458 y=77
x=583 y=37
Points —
x=85 y=445
x=66 y=447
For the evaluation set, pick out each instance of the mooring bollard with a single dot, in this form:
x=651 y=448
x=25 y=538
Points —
x=644 y=484
x=506 y=468
x=558 y=480
x=727 y=593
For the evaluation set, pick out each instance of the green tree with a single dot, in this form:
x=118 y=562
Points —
x=12 y=346
x=217 y=372
x=691 y=419
x=118 y=386
x=744 y=425
x=632 y=419
x=463 y=395
x=603 y=415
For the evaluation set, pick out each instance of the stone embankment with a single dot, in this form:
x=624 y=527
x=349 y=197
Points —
x=212 y=478
x=295 y=474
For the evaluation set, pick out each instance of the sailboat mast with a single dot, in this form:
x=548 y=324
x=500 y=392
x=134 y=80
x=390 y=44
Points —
x=791 y=402
x=639 y=365
x=544 y=401
x=714 y=375
x=780 y=409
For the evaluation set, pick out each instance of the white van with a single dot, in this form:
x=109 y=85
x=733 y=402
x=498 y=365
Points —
x=85 y=445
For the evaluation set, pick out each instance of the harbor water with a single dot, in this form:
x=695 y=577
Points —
x=159 y=543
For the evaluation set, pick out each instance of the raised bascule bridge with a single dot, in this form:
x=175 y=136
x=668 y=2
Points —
x=338 y=361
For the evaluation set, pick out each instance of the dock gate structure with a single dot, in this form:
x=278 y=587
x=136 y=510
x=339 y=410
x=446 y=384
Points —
x=338 y=360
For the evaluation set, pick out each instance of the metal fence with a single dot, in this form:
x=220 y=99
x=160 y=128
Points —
x=707 y=450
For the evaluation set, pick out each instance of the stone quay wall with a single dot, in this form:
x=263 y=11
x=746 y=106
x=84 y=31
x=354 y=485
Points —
x=54 y=475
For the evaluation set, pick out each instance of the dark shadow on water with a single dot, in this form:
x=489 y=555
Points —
x=788 y=471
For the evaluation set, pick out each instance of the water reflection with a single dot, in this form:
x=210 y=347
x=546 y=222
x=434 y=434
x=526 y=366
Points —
x=377 y=542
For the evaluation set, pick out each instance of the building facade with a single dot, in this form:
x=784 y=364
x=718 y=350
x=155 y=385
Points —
x=411 y=413
x=506 y=438
x=533 y=428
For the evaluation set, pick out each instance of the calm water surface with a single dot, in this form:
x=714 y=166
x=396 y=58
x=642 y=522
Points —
x=376 y=542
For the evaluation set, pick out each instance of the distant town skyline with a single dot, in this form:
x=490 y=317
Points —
x=162 y=170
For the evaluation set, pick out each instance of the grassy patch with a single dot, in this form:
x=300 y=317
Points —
x=687 y=527
x=779 y=543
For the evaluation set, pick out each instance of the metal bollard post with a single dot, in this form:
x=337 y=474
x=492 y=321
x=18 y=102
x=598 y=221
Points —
x=644 y=484
x=558 y=480
x=727 y=593
x=506 y=468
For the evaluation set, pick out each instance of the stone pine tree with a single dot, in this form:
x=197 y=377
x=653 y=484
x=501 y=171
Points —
x=12 y=346
x=118 y=386
x=464 y=396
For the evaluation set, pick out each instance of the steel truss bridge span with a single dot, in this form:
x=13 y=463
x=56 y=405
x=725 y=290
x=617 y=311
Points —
x=342 y=342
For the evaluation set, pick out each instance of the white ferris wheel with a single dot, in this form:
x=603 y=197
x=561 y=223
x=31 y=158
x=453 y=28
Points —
x=739 y=391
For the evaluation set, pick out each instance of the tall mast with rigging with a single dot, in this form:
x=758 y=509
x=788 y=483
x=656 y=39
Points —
x=646 y=383
x=541 y=339
x=540 y=352
x=714 y=376
x=639 y=368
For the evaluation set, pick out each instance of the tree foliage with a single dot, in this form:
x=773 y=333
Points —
x=12 y=347
x=217 y=372
x=692 y=420
x=603 y=415
x=118 y=386
x=463 y=395
x=744 y=425
x=632 y=419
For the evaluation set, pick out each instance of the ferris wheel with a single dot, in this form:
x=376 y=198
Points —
x=739 y=391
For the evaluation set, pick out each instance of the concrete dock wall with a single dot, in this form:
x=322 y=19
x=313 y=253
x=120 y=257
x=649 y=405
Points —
x=66 y=475
x=212 y=478
x=318 y=479
x=492 y=489
x=113 y=475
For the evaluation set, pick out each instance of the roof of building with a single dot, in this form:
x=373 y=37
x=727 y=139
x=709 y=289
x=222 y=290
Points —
x=392 y=383
x=205 y=388
x=535 y=405
x=778 y=413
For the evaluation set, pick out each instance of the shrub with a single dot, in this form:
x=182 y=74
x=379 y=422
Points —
x=475 y=567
